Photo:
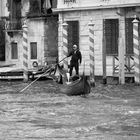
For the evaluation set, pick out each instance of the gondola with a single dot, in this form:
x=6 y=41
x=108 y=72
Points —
x=78 y=85
x=42 y=73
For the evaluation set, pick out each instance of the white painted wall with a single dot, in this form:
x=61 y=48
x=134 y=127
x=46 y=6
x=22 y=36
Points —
x=3 y=8
x=97 y=17
x=17 y=39
x=36 y=34
x=25 y=7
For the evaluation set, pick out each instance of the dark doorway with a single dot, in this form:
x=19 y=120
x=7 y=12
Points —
x=2 y=41
x=73 y=34
x=111 y=29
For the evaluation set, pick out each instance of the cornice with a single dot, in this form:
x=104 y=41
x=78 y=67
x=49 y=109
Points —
x=94 y=7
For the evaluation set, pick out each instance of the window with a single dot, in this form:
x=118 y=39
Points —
x=129 y=35
x=73 y=34
x=105 y=0
x=39 y=7
x=33 y=48
x=14 y=51
x=35 y=6
x=111 y=29
x=14 y=7
x=69 y=1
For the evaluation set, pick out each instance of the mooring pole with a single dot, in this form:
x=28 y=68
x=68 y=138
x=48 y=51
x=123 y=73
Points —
x=65 y=44
x=25 y=51
x=121 y=50
x=91 y=49
x=104 y=54
x=136 y=51
x=121 y=60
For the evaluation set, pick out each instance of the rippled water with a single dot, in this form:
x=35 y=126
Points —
x=42 y=113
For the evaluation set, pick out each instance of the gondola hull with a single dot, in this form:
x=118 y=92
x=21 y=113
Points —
x=78 y=87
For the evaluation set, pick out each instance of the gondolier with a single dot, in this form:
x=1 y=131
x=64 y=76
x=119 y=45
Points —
x=80 y=86
x=76 y=59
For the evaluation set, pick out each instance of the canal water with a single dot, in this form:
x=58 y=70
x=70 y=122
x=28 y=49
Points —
x=41 y=112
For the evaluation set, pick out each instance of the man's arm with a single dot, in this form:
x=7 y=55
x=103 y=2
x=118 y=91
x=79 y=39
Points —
x=80 y=56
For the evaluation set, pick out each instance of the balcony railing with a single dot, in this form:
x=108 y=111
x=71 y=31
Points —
x=13 y=25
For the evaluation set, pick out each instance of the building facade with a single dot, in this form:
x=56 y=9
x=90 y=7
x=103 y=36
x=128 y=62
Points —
x=112 y=21
x=41 y=38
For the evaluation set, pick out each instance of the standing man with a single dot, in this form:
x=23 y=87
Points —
x=76 y=59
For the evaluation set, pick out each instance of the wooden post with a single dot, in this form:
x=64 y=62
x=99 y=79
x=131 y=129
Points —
x=104 y=54
x=136 y=51
x=92 y=58
x=121 y=60
x=65 y=44
x=25 y=51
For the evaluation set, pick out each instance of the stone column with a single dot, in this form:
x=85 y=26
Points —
x=121 y=50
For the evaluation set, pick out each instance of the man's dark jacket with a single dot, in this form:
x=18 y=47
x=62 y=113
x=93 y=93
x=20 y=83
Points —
x=76 y=55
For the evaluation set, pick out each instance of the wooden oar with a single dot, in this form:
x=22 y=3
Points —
x=35 y=80
x=62 y=59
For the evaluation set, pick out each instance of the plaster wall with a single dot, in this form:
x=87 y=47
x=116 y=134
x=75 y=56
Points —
x=84 y=17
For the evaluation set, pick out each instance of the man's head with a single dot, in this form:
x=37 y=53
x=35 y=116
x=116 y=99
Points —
x=75 y=47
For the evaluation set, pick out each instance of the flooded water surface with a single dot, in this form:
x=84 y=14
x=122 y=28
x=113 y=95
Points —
x=41 y=112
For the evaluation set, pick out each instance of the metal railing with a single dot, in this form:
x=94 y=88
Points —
x=13 y=25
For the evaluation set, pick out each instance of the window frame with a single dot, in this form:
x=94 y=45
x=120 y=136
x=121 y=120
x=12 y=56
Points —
x=32 y=57
x=73 y=33
x=112 y=36
x=14 y=54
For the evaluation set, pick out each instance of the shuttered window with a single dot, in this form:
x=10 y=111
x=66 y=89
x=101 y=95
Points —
x=14 y=51
x=111 y=29
x=73 y=34
x=35 y=7
x=14 y=7
x=129 y=35
x=38 y=7
x=33 y=46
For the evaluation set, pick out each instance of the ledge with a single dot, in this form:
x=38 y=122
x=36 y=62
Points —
x=55 y=10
